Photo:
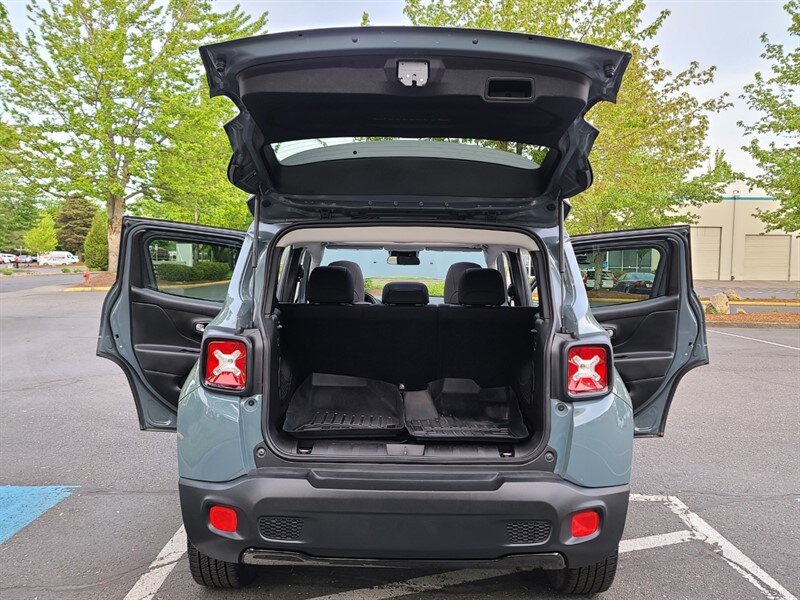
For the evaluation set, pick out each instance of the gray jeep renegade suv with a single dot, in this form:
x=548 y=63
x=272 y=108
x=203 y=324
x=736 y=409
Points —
x=470 y=402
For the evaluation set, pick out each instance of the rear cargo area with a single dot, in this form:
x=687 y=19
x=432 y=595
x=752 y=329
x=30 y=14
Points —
x=437 y=380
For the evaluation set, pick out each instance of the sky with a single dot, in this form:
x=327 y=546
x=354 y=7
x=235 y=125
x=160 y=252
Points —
x=724 y=33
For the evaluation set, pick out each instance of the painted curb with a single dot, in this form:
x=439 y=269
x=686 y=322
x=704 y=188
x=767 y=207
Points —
x=87 y=289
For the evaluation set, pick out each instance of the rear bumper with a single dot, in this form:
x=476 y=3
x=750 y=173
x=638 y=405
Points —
x=307 y=516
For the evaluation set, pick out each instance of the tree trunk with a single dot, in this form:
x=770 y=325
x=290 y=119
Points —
x=116 y=208
x=599 y=257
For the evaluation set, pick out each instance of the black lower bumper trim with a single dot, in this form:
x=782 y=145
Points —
x=544 y=560
x=399 y=516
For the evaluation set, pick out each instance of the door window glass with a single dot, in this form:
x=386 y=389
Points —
x=620 y=275
x=191 y=269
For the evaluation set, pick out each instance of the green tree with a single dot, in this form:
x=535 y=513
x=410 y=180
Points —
x=18 y=213
x=651 y=142
x=775 y=97
x=95 y=93
x=41 y=238
x=73 y=220
x=95 y=246
x=189 y=179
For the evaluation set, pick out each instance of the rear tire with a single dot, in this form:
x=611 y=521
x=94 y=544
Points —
x=592 y=579
x=214 y=573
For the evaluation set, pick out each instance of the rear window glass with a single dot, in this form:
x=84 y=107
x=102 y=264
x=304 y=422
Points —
x=431 y=270
x=425 y=146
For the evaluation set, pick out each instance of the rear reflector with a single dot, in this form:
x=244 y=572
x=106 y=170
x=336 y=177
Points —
x=223 y=518
x=587 y=370
x=226 y=364
x=585 y=523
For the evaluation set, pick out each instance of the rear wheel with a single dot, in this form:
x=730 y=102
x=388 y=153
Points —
x=585 y=580
x=214 y=573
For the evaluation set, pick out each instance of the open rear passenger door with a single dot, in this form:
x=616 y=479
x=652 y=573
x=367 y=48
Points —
x=172 y=280
x=639 y=285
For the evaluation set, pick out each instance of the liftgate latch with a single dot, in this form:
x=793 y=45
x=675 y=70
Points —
x=412 y=73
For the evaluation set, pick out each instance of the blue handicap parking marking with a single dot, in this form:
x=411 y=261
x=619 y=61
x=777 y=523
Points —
x=20 y=505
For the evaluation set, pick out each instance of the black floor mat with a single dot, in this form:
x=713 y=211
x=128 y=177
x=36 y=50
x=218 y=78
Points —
x=460 y=409
x=327 y=406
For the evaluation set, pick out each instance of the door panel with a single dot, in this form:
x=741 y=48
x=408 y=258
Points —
x=155 y=314
x=652 y=314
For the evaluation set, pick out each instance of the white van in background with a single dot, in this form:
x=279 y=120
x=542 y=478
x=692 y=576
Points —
x=58 y=257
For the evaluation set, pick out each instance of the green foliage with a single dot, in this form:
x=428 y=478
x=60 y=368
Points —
x=94 y=95
x=651 y=142
x=7 y=271
x=42 y=238
x=777 y=98
x=435 y=288
x=95 y=246
x=18 y=213
x=202 y=271
x=66 y=270
x=73 y=220
x=190 y=177
x=18 y=210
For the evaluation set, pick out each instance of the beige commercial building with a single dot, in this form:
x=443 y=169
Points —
x=730 y=243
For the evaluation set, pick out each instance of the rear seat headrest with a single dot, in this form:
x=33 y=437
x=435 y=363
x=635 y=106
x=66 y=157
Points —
x=356 y=274
x=453 y=279
x=407 y=293
x=481 y=287
x=330 y=285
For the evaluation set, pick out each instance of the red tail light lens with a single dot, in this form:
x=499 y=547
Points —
x=223 y=518
x=226 y=364
x=587 y=370
x=585 y=523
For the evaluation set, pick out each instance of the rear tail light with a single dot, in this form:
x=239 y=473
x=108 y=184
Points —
x=223 y=518
x=585 y=523
x=226 y=364
x=587 y=370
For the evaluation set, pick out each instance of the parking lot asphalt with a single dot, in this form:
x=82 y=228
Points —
x=731 y=457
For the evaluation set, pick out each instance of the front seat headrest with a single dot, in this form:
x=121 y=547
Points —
x=358 y=278
x=330 y=285
x=453 y=278
x=405 y=293
x=481 y=287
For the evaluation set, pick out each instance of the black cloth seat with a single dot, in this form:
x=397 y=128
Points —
x=410 y=344
x=330 y=285
x=453 y=279
x=359 y=292
x=481 y=287
x=405 y=293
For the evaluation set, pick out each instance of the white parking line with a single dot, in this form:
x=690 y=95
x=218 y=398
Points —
x=152 y=579
x=752 y=339
x=149 y=583
x=655 y=541
x=737 y=559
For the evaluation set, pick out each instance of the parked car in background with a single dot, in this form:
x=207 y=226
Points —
x=634 y=283
x=26 y=259
x=58 y=257
x=8 y=258
x=607 y=280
